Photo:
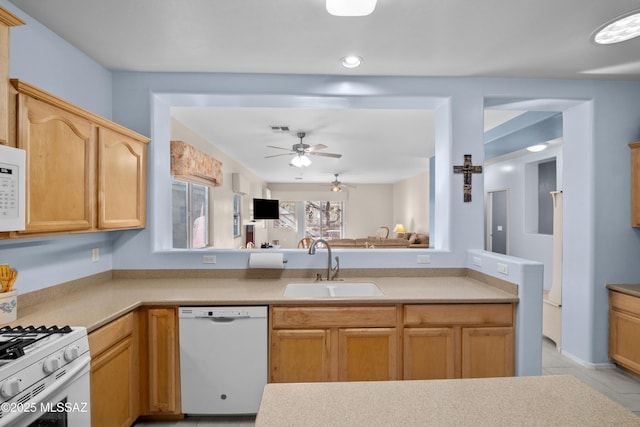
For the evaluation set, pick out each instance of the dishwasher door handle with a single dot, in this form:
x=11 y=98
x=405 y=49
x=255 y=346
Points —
x=227 y=319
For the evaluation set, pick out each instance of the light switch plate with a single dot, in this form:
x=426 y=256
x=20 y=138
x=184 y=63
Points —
x=503 y=268
x=208 y=259
x=424 y=259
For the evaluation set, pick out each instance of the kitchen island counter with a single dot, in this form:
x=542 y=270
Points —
x=99 y=303
x=544 y=400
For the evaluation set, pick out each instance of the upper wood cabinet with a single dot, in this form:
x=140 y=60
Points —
x=7 y=20
x=122 y=180
x=60 y=149
x=635 y=184
x=84 y=173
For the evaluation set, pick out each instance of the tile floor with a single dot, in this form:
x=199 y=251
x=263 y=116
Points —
x=618 y=385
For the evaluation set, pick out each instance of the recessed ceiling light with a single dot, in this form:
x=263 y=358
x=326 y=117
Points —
x=351 y=7
x=351 y=61
x=621 y=29
x=537 y=147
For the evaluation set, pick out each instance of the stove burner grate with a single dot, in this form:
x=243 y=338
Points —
x=21 y=337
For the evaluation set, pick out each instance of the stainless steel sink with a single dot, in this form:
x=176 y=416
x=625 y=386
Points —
x=332 y=289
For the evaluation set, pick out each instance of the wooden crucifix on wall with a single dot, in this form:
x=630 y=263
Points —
x=467 y=169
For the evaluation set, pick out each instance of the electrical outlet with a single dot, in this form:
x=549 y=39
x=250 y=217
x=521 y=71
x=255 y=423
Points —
x=424 y=259
x=95 y=254
x=503 y=268
x=477 y=261
x=208 y=259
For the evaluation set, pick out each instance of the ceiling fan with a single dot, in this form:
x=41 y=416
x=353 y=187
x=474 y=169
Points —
x=336 y=185
x=300 y=150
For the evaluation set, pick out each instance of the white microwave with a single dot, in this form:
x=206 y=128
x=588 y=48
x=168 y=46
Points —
x=12 y=188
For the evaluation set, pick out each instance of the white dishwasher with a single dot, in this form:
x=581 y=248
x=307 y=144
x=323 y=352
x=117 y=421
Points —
x=223 y=359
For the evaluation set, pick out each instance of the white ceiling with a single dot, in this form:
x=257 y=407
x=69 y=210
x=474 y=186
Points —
x=489 y=38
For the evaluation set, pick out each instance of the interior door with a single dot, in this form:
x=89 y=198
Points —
x=497 y=222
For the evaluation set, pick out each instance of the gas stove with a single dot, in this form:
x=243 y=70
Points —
x=37 y=363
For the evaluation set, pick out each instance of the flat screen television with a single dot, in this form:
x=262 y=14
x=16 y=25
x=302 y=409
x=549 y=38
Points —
x=266 y=209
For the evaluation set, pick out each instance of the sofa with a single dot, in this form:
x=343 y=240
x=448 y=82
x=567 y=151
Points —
x=404 y=240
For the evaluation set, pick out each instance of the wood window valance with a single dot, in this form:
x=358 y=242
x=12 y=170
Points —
x=192 y=165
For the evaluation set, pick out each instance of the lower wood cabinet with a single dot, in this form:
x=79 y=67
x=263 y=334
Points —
x=160 y=355
x=135 y=367
x=624 y=330
x=354 y=343
x=114 y=373
x=458 y=341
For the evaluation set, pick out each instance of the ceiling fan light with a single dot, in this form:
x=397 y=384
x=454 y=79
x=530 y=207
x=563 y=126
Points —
x=536 y=148
x=300 y=161
x=351 y=61
x=350 y=7
x=621 y=29
x=336 y=188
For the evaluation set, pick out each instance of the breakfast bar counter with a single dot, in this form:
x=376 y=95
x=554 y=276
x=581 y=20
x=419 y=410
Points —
x=99 y=303
x=544 y=400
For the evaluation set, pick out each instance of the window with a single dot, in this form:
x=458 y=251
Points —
x=190 y=219
x=287 y=218
x=323 y=220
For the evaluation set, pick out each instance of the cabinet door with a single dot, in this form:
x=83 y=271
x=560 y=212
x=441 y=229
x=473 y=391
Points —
x=430 y=353
x=113 y=399
x=163 y=374
x=122 y=181
x=300 y=355
x=624 y=342
x=60 y=183
x=367 y=354
x=487 y=352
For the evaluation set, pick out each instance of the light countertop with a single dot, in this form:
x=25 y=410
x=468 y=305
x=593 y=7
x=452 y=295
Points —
x=96 y=305
x=633 y=290
x=544 y=400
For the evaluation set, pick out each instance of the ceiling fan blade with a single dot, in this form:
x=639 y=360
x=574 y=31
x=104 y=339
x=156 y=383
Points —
x=337 y=156
x=278 y=155
x=279 y=148
x=316 y=147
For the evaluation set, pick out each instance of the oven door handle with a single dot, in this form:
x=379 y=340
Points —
x=81 y=368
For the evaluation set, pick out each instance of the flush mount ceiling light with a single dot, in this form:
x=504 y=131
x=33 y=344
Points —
x=351 y=61
x=300 y=161
x=536 y=148
x=621 y=29
x=351 y=7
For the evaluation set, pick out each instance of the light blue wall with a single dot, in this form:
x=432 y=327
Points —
x=601 y=118
x=41 y=58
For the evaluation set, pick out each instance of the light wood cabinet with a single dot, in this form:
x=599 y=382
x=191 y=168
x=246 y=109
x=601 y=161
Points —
x=7 y=20
x=635 y=184
x=160 y=354
x=60 y=183
x=354 y=343
x=114 y=373
x=624 y=330
x=122 y=180
x=84 y=173
x=458 y=341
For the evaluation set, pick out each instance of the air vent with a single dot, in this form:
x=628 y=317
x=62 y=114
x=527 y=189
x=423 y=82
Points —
x=60 y=374
x=24 y=399
x=280 y=129
x=36 y=391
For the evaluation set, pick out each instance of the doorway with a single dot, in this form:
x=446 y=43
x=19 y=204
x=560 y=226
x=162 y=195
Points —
x=497 y=222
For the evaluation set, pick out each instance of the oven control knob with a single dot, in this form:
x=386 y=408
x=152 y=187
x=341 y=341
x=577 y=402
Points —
x=11 y=387
x=71 y=353
x=51 y=364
